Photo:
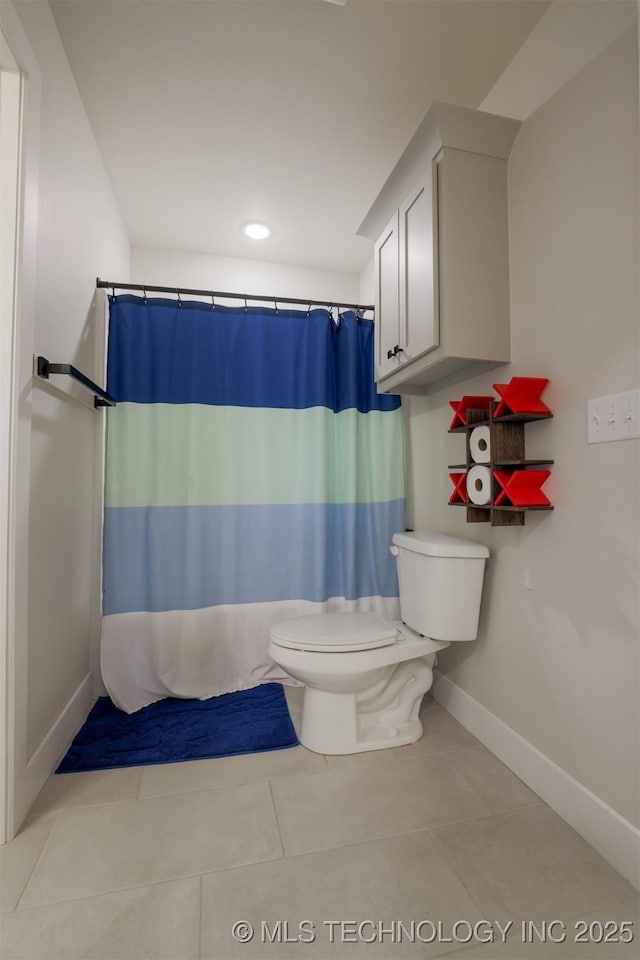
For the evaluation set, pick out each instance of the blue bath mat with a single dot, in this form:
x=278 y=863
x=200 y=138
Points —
x=250 y=721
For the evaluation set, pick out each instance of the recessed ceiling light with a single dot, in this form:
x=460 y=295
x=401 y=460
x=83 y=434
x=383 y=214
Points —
x=257 y=231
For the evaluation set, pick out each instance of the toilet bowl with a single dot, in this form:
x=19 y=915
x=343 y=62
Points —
x=364 y=676
x=359 y=695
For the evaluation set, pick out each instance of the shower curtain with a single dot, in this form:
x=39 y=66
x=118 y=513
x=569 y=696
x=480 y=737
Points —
x=252 y=474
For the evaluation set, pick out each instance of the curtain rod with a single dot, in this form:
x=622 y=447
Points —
x=144 y=287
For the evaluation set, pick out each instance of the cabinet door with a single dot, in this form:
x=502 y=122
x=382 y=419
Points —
x=418 y=259
x=386 y=274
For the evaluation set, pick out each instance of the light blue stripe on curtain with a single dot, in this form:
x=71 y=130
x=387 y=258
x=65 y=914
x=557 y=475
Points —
x=202 y=556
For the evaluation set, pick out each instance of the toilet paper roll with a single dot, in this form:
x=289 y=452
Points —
x=479 y=485
x=480 y=444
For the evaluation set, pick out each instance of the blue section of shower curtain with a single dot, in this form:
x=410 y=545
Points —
x=160 y=352
x=204 y=556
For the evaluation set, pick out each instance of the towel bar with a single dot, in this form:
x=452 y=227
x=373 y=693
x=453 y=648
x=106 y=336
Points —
x=101 y=397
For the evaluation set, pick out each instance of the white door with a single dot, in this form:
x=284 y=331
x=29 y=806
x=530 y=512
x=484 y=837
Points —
x=386 y=301
x=418 y=259
x=19 y=124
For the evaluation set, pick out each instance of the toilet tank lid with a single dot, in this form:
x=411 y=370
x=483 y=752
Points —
x=440 y=545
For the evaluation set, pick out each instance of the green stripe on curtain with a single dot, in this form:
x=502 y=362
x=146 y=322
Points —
x=191 y=454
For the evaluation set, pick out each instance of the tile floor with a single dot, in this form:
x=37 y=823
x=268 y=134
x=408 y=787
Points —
x=407 y=852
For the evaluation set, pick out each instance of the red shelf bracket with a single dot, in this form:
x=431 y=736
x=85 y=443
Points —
x=521 y=488
x=459 y=492
x=521 y=395
x=460 y=408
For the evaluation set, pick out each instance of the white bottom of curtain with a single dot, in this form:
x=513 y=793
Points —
x=207 y=652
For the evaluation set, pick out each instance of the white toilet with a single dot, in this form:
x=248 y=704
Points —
x=364 y=676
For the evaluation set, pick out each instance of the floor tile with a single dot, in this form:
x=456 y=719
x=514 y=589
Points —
x=81 y=789
x=19 y=857
x=377 y=884
x=529 y=864
x=494 y=783
x=170 y=778
x=112 y=846
x=159 y=921
x=585 y=935
x=564 y=939
x=374 y=800
x=441 y=734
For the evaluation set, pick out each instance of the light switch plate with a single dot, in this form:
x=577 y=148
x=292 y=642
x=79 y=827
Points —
x=616 y=417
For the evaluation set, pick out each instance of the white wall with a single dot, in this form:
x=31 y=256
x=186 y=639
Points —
x=80 y=234
x=368 y=282
x=208 y=272
x=558 y=660
x=565 y=39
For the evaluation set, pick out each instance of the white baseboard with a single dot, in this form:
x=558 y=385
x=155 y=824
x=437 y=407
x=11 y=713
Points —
x=57 y=741
x=615 y=838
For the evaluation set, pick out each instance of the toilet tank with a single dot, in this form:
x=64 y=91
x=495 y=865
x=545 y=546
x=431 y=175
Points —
x=440 y=579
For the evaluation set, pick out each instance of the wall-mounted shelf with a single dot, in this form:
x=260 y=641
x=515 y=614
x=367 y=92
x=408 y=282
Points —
x=502 y=459
x=520 y=463
x=505 y=463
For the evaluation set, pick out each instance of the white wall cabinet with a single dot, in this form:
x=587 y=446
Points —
x=440 y=228
x=387 y=298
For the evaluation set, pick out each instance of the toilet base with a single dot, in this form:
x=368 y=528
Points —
x=386 y=715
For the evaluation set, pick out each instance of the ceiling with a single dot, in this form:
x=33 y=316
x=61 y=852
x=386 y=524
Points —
x=210 y=114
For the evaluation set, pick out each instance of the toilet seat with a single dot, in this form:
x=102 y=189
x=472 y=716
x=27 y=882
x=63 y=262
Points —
x=334 y=633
